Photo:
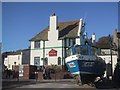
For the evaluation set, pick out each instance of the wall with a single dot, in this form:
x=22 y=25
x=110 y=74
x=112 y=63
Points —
x=78 y=41
x=53 y=43
x=107 y=59
x=36 y=53
x=28 y=71
x=53 y=59
x=11 y=59
x=26 y=57
x=6 y=62
x=107 y=51
x=49 y=45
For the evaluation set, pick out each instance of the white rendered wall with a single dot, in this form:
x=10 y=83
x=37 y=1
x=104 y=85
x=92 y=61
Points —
x=53 y=23
x=49 y=45
x=53 y=59
x=32 y=44
x=36 y=53
x=6 y=62
x=107 y=51
x=11 y=59
x=78 y=41
x=53 y=42
x=107 y=59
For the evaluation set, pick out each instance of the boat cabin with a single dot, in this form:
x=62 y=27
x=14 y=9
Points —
x=83 y=50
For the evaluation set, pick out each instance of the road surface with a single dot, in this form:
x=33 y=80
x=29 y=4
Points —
x=44 y=84
x=70 y=83
x=50 y=85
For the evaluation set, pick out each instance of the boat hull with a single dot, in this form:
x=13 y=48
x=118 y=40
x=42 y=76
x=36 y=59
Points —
x=87 y=68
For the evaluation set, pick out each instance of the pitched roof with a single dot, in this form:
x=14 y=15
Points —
x=15 y=52
x=66 y=29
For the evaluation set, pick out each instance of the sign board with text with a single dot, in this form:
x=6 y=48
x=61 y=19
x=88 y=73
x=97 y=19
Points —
x=52 y=52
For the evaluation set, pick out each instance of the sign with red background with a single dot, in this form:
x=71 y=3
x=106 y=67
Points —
x=52 y=52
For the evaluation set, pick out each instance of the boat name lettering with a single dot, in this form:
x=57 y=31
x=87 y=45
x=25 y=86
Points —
x=72 y=65
x=88 y=64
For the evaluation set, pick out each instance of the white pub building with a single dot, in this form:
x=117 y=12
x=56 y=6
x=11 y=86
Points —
x=49 y=46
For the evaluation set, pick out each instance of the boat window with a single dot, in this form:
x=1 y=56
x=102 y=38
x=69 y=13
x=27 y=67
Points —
x=77 y=49
x=83 y=50
x=93 y=51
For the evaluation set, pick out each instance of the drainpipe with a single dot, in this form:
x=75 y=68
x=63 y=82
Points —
x=65 y=55
x=21 y=58
x=118 y=49
x=118 y=46
x=62 y=55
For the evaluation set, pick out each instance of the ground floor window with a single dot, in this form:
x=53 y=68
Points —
x=59 y=60
x=37 y=61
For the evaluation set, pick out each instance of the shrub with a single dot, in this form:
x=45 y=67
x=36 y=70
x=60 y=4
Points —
x=55 y=69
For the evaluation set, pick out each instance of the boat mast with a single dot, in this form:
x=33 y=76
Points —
x=82 y=32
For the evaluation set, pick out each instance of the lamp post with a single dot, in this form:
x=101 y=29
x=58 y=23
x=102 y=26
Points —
x=62 y=54
x=118 y=36
x=110 y=42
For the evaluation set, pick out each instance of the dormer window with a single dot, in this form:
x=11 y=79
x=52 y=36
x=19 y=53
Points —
x=37 y=44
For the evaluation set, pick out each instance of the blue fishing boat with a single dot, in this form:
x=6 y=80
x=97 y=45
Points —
x=82 y=61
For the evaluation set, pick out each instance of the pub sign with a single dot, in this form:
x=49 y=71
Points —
x=52 y=52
